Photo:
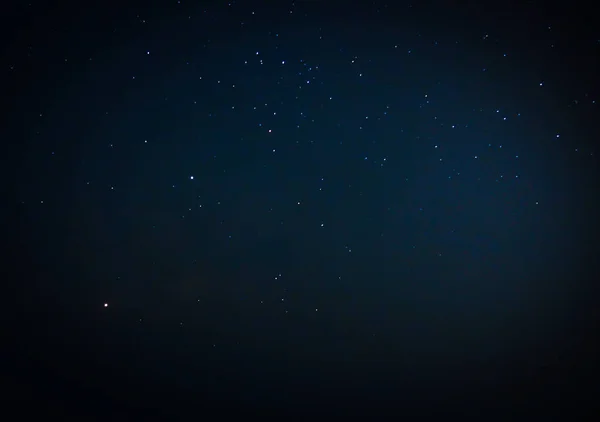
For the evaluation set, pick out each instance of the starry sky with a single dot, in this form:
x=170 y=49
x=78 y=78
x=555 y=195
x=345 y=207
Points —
x=303 y=206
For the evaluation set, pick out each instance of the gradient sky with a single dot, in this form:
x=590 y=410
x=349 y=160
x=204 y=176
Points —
x=290 y=205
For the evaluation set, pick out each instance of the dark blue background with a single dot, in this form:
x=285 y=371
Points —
x=393 y=207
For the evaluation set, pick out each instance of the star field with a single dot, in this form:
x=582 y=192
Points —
x=305 y=203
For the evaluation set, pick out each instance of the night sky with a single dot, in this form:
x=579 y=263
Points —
x=299 y=209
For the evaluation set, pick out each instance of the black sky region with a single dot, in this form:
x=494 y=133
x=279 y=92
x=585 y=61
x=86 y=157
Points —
x=300 y=209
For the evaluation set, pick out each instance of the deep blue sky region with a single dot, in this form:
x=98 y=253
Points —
x=308 y=206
